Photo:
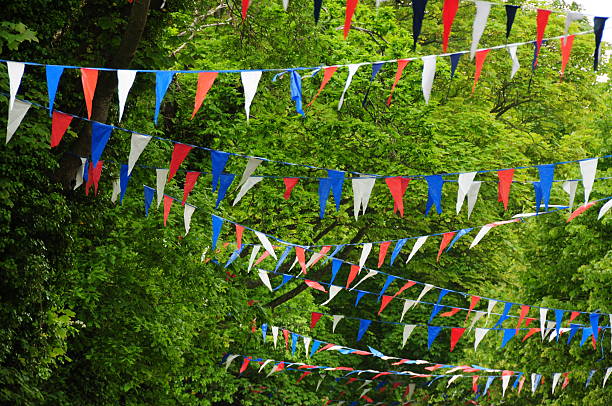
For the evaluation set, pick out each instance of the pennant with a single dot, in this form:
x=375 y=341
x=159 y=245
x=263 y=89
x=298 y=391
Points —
x=504 y=316
x=506 y=375
x=217 y=225
x=15 y=73
x=542 y=21
x=515 y=62
x=397 y=186
x=531 y=332
x=117 y=189
x=407 y=285
x=546 y=180
x=475 y=383
x=315 y=285
x=594 y=319
x=477 y=316
x=434 y=193
x=365 y=251
x=251 y=165
x=362 y=189
x=229 y=360
x=480 y=21
x=480 y=59
x=503 y=187
x=336 y=182
x=408 y=304
x=285 y=4
x=604 y=209
x=418 y=13
x=219 y=160
x=570 y=186
x=388 y=282
x=263 y=275
x=555 y=380
x=94 y=177
x=580 y=210
x=137 y=144
x=472 y=196
x=606 y=376
x=53 y=74
x=283 y=256
x=336 y=319
x=401 y=64
x=535 y=381
x=454 y=60
x=245 y=8
x=205 y=82
x=125 y=80
x=162 y=175
x=179 y=153
x=449 y=11
x=299 y=254
x=479 y=335
x=250 y=81
x=167 y=205
x=89 y=79
x=456 y=334
x=427 y=78
x=350 y=10
x=426 y=289
x=253 y=255
x=328 y=72
x=352 y=70
x=451 y=312
x=510 y=15
x=100 y=134
x=566 y=50
x=252 y=181
x=124 y=178
x=162 y=81
x=324 y=189
x=190 y=180
x=465 y=180
x=588 y=168
x=460 y=234
x=363 y=327
x=289 y=185
x=490 y=380
x=408 y=328
x=558 y=320
x=385 y=300
x=244 y=366
x=317 y=10
x=59 y=124
x=314 y=319
x=543 y=313
x=586 y=333
x=599 y=25
x=336 y=263
x=15 y=117
x=473 y=302
x=296 y=91
x=417 y=245
x=432 y=333
x=187 y=213
x=398 y=247
x=384 y=247
x=333 y=291
x=369 y=275
x=509 y=333
x=524 y=312
x=266 y=243
x=571 y=16
x=446 y=239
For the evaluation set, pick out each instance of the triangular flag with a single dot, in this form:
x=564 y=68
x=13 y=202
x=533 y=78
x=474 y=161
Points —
x=187 y=213
x=384 y=247
x=480 y=22
x=397 y=186
x=456 y=334
x=217 y=225
x=535 y=381
x=162 y=175
x=542 y=21
x=15 y=73
x=454 y=60
x=558 y=321
x=427 y=78
x=117 y=190
x=333 y=291
x=301 y=258
x=457 y=236
x=53 y=74
x=490 y=307
x=266 y=243
x=15 y=116
x=510 y=15
x=328 y=72
x=289 y=185
x=569 y=187
x=396 y=250
x=59 y=124
x=543 y=312
x=434 y=193
x=599 y=24
x=314 y=319
x=504 y=315
x=218 y=162
x=570 y=17
x=252 y=181
x=449 y=11
x=555 y=380
x=385 y=300
x=336 y=319
x=124 y=178
x=426 y=289
x=251 y=165
x=606 y=376
x=352 y=275
x=263 y=275
x=594 y=319
x=362 y=190
x=472 y=196
x=137 y=144
x=149 y=192
x=282 y=258
x=285 y=4
x=446 y=239
x=418 y=244
x=401 y=64
x=566 y=50
x=350 y=10
x=244 y=366
x=524 y=312
x=408 y=328
x=546 y=180
x=479 y=335
x=323 y=191
x=477 y=316
x=365 y=251
x=254 y=252
x=179 y=153
x=503 y=187
x=352 y=70
x=432 y=333
x=167 y=205
x=245 y=8
x=509 y=333
x=89 y=79
x=604 y=209
x=317 y=10
x=388 y=282
x=418 y=13
x=588 y=168
x=336 y=182
x=465 y=181
x=315 y=285
x=250 y=81
x=296 y=91
x=190 y=180
x=363 y=327
x=205 y=82
x=515 y=62
x=125 y=80
x=580 y=210
x=437 y=307
x=408 y=304
x=480 y=59
x=506 y=375
x=100 y=134
x=370 y=273
x=473 y=302
x=162 y=82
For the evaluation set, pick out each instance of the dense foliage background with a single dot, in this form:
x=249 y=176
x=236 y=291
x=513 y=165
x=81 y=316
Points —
x=101 y=305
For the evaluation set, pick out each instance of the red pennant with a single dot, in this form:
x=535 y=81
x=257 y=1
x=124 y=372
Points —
x=328 y=72
x=314 y=319
x=245 y=364
x=520 y=386
x=59 y=124
x=190 y=180
x=475 y=383
x=407 y=391
x=352 y=275
x=480 y=59
x=315 y=285
x=503 y=187
x=449 y=10
x=383 y=252
x=289 y=185
x=263 y=256
x=566 y=380
x=299 y=253
x=286 y=335
x=239 y=230
x=205 y=82
x=321 y=254
x=401 y=64
x=456 y=334
x=327 y=346
x=167 y=204
x=524 y=311
x=351 y=5
x=304 y=375
x=369 y=399
x=280 y=367
x=384 y=302
x=580 y=210
x=573 y=315
x=446 y=239
x=96 y=174
x=408 y=284
x=397 y=186
x=89 y=183
x=245 y=7
x=381 y=374
x=451 y=313
x=542 y=21
x=89 y=79
x=179 y=153
x=566 y=49
x=531 y=332
x=529 y=320
x=473 y=301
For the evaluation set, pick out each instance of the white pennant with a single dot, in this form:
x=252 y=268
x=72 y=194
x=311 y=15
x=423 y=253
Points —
x=426 y=289
x=543 y=322
x=319 y=384
x=406 y=333
x=285 y=4
x=162 y=176
x=125 y=80
x=505 y=382
x=78 y=181
x=352 y=69
x=15 y=72
x=274 y=335
x=266 y=244
x=570 y=18
x=534 y=382
x=479 y=335
x=336 y=320
x=254 y=252
x=472 y=196
x=477 y=316
x=411 y=388
x=588 y=169
x=606 y=376
x=555 y=380
x=407 y=306
x=465 y=181
x=138 y=143
x=427 y=78
x=480 y=22
x=229 y=360
x=307 y=341
x=266 y=362
x=418 y=244
x=569 y=186
x=116 y=190
x=453 y=379
x=250 y=80
x=187 y=213
x=15 y=116
x=369 y=275
x=362 y=189
x=365 y=251
x=263 y=275
x=252 y=181
x=333 y=291
x=251 y=165
x=490 y=307
x=604 y=209
x=515 y=62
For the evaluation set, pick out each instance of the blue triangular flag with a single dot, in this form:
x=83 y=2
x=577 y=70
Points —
x=264 y=330
x=460 y=234
x=149 y=192
x=418 y=13
x=573 y=330
x=124 y=178
x=375 y=352
x=547 y=173
x=454 y=60
x=516 y=381
x=217 y=224
x=389 y=281
x=510 y=14
x=504 y=315
x=599 y=23
x=594 y=317
x=315 y=346
x=360 y=294
x=283 y=257
x=234 y=256
x=375 y=69
x=225 y=182
x=337 y=180
x=336 y=264
x=489 y=382
x=434 y=193
x=333 y=254
x=397 y=249
x=218 y=160
x=86 y=171
x=162 y=81
x=317 y=10
x=296 y=91
x=286 y=278
x=324 y=189
x=558 y=320
x=294 y=339
x=537 y=189
x=363 y=327
x=509 y=333
x=586 y=333
x=53 y=73
x=536 y=382
x=535 y=54
x=588 y=381
x=437 y=307
x=100 y=134
x=432 y=333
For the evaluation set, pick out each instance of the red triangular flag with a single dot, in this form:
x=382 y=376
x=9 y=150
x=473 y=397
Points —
x=566 y=380
x=320 y=255
x=401 y=64
x=384 y=302
x=179 y=153
x=451 y=312
x=245 y=7
x=304 y=375
x=352 y=275
x=350 y=10
x=299 y=253
x=566 y=49
x=503 y=187
x=89 y=79
x=239 y=230
x=480 y=59
x=263 y=256
x=449 y=10
x=456 y=334
x=397 y=186
x=384 y=246
x=531 y=332
x=167 y=204
x=190 y=180
x=541 y=21
x=573 y=315
x=314 y=319
x=245 y=364
x=286 y=335
x=314 y=285
x=446 y=239
x=403 y=288
x=96 y=173
x=59 y=124
x=529 y=320
x=289 y=185
x=524 y=311
x=580 y=210
x=89 y=182
x=328 y=72
x=473 y=301
x=475 y=383
x=205 y=82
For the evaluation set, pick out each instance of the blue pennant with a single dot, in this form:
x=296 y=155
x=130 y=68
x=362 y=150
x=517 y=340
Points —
x=162 y=81
x=149 y=192
x=324 y=189
x=217 y=224
x=336 y=264
x=317 y=10
x=100 y=134
x=397 y=249
x=537 y=189
x=454 y=60
x=432 y=333
x=434 y=193
x=360 y=294
x=315 y=346
x=333 y=254
x=547 y=173
x=337 y=180
x=558 y=320
x=437 y=307
x=599 y=23
x=283 y=256
x=124 y=178
x=594 y=318
x=588 y=381
x=389 y=281
x=218 y=161
x=234 y=256
x=294 y=338
x=296 y=91
x=264 y=330
x=286 y=278
x=363 y=327
x=224 y=184
x=509 y=333
x=573 y=330
x=586 y=333
x=489 y=382
x=504 y=315
x=53 y=77
x=460 y=234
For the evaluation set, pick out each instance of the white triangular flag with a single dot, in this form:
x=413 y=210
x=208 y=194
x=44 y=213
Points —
x=162 y=176
x=479 y=335
x=252 y=181
x=369 y=275
x=285 y=4
x=505 y=382
x=307 y=341
x=362 y=189
x=406 y=333
x=251 y=165
x=483 y=231
x=116 y=190
x=250 y=80
x=274 y=335
x=534 y=382
x=588 y=169
x=336 y=318
x=263 y=275
x=465 y=181
x=453 y=379
x=515 y=62
x=411 y=387
x=426 y=289
x=138 y=143
x=229 y=360
x=266 y=244
x=480 y=22
x=606 y=376
x=125 y=80
x=333 y=291
x=490 y=307
x=365 y=251
x=266 y=362
x=477 y=316
x=555 y=380
x=418 y=244
x=187 y=213
x=543 y=322
x=407 y=306
x=78 y=181
x=15 y=116
x=472 y=196
x=427 y=78
x=15 y=72
x=570 y=18
x=604 y=209
x=569 y=186
x=352 y=69
x=254 y=252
